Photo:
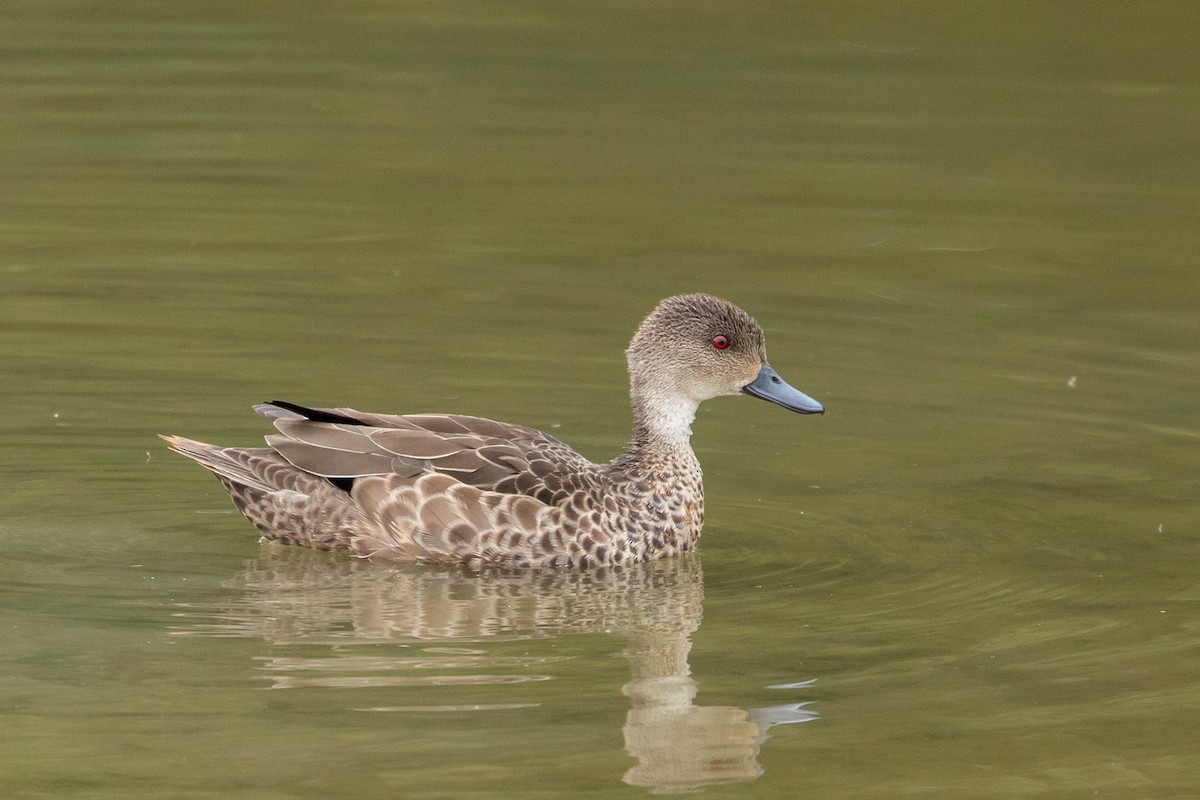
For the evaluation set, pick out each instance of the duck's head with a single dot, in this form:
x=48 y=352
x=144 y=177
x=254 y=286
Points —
x=693 y=347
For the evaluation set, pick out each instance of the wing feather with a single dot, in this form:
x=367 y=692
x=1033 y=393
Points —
x=482 y=453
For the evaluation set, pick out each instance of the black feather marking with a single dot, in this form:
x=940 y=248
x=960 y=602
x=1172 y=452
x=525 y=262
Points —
x=316 y=414
x=345 y=484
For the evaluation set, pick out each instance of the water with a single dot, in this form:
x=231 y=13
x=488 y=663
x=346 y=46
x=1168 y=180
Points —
x=969 y=230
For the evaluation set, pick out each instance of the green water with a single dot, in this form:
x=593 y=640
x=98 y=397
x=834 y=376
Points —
x=970 y=229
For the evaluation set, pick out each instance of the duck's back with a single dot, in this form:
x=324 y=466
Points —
x=342 y=444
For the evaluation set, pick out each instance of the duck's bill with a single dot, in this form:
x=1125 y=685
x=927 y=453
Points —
x=769 y=386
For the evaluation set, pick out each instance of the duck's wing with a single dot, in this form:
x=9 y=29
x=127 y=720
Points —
x=341 y=443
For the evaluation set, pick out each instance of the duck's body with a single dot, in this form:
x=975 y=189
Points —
x=457 y=489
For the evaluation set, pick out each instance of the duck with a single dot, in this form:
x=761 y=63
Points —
x=456 y=489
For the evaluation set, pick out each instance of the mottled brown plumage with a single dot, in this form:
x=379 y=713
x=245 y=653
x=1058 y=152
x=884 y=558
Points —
x=458 y=489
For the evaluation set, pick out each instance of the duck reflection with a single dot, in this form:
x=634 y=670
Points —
x=297 y=596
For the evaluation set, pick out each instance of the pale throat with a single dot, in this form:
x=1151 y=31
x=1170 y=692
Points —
x=666 y=419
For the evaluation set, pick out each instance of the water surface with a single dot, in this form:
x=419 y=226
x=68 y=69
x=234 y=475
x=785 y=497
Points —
x=970 y=230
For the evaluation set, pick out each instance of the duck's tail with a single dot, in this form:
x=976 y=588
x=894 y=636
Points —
x=284 y=502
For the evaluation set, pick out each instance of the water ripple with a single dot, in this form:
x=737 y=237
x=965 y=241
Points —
x=379 y=681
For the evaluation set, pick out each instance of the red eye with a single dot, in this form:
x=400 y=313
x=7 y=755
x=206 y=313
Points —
x=720 y=342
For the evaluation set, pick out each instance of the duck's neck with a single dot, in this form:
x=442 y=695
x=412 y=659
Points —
x=662 y=424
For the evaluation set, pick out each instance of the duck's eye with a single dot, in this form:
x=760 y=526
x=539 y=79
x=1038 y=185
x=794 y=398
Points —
x=720 y=342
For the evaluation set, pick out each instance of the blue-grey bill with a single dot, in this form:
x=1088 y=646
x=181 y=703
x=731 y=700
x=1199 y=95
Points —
x=769 y=386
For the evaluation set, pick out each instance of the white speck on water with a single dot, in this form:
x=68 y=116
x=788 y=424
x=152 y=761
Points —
x=1071 y=382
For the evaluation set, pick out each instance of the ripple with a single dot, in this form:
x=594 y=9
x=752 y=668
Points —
x=393 y=681
x=443 y=709
x=290 y=595
x=343 y=663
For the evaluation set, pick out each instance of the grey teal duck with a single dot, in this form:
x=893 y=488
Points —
x=458 y=489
